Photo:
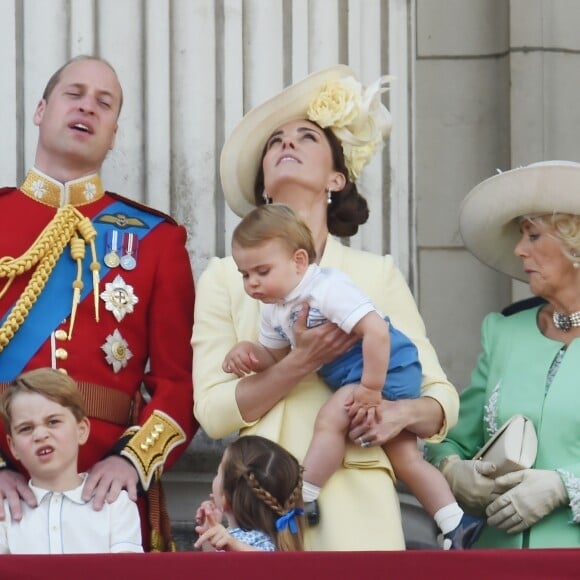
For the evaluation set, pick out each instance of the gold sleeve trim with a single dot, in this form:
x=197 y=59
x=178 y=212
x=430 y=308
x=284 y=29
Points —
x=149 y=447
x=131 y=431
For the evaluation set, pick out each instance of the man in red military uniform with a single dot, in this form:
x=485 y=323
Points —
x=101 y=288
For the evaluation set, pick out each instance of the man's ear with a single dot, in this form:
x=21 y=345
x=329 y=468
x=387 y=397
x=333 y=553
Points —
x=39 y=112
x=301 y=260
x=114 y=138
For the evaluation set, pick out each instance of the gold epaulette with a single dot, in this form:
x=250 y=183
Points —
x=149 y=447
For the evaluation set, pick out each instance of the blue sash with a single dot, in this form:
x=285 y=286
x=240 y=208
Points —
x=51 y=308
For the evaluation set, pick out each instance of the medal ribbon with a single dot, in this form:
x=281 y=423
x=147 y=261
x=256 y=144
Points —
x=50 y=308
x=129 y=252
x=112 y=248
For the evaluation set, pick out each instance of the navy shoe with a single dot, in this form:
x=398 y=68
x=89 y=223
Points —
x=312 y=512
x=464 y=535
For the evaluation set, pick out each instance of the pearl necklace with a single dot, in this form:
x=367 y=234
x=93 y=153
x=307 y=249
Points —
x=565 y=322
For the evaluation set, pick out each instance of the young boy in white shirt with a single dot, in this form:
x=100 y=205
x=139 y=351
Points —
x=45 y=421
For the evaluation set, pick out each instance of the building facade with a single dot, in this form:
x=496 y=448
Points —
x=478 y=86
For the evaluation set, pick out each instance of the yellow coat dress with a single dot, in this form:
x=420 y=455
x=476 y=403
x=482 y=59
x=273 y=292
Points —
x=359 y=505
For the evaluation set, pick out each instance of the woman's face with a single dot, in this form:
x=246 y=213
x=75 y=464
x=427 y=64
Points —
x=550 y=272
x=299 y=158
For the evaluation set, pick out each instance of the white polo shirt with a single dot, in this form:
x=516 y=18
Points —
x=65 y=524
x=331 y=294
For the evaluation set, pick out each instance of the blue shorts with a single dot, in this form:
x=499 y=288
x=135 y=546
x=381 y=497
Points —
x=404 y=375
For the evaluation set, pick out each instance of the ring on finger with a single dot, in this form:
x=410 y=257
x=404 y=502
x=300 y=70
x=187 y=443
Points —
x=365 y=444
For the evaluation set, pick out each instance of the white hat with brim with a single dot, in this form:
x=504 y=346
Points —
x=488 y=217
x=242 y=152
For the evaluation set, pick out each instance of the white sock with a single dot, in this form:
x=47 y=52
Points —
x=448 y=517
x=310 y=492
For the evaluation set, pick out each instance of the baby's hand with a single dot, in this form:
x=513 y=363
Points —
x=206 y=510
x=216 y=537
x=365 y=406
x=241 y=360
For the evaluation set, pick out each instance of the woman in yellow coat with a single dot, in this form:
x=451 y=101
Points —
x=305 y=148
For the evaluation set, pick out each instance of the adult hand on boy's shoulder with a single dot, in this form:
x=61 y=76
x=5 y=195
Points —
x=14 y=488
x=107 y=478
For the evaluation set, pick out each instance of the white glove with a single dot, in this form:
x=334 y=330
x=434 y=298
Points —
x=527 y=496
x=470 y=482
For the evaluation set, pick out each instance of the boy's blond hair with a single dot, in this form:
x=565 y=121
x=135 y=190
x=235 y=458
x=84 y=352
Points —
x=47 y=382
x=275 y=221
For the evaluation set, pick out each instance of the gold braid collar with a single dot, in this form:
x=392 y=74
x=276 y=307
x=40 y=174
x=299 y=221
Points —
x=68 y=226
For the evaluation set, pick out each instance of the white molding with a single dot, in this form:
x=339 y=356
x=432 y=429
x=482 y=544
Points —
x=402 y=212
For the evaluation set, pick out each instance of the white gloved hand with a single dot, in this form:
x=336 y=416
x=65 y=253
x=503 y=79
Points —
x=470 y=482
x=527 y=496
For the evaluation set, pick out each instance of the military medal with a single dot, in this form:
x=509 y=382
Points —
x=111 y=258
x=116 y=350
x=129 y=251
x=119 y=298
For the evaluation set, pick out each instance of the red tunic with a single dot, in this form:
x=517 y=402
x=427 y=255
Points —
x=157 y=331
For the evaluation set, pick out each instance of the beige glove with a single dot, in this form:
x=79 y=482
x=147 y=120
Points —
x=531 y=494
x=470 y=482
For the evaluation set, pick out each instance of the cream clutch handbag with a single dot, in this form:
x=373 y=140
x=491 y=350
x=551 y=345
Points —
x=513 y=447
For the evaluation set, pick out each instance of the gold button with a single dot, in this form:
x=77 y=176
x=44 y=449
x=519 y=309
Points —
x=60 y=334
x=61 y=354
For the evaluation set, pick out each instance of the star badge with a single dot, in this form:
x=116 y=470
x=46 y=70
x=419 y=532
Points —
x=119 y=298
x=117 y=351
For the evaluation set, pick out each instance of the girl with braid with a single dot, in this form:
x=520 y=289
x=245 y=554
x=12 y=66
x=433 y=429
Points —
x=258 y=488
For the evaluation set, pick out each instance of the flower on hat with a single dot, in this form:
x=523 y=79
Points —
x=337 y=104
x=356 y=157
x=355 y=115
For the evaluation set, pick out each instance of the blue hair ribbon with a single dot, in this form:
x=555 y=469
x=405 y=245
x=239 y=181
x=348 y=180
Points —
x=288 y=520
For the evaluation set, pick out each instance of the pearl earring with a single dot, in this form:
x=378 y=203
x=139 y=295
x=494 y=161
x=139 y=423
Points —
x=267 y=199
x=328 y=196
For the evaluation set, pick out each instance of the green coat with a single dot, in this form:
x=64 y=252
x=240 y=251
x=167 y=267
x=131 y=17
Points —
x=510 y=378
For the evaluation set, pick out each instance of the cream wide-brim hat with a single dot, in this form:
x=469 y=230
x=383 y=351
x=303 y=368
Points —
x=241 y=155
x=488 y=217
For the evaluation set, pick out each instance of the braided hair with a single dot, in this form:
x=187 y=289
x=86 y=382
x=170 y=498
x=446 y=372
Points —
x=262 y=482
